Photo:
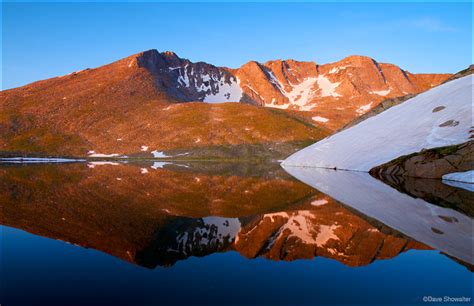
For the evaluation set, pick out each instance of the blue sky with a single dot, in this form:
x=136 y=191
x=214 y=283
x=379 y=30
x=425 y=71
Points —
x=41 y=40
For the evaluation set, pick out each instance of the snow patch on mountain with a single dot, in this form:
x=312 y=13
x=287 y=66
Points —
x=280 y=106
x=328 y=88
x=299 y=95
x=226 y=92
x=403 y=129
x=215 y=86
x=303 y=93
x=320 y=119
x=337 y=69
x=381 y=92
x=319 y=202
x=300 y=225
x=364 y=108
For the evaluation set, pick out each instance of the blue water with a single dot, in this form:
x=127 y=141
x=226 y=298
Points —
x=42 y=271
x=145 y=230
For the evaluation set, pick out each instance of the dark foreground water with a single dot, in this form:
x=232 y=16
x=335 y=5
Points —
x=229 y=234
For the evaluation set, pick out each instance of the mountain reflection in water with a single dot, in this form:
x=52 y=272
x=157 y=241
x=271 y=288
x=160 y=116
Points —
x=159 y=213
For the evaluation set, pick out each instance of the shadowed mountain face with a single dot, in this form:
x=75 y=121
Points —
x=133 y=106
x=158 y=213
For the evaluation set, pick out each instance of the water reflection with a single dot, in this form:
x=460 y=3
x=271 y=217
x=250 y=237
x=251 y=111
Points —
x=157 y=214
x=445 y=229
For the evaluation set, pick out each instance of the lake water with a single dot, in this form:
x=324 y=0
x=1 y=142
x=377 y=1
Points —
x=153 y=233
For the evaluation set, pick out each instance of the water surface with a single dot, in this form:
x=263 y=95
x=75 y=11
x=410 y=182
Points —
x=227 y=233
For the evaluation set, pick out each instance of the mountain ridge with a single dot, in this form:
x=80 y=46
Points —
x=143 y=100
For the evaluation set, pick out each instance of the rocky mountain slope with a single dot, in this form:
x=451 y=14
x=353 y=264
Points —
x=439 y=117
x=135 y=103
x=330 y=94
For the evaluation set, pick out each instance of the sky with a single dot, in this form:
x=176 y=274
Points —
x=42 y=40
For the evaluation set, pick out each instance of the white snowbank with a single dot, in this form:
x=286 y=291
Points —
x=320 y=119
x=403 y=129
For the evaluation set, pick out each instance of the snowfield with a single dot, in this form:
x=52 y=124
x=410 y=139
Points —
x=439 y=117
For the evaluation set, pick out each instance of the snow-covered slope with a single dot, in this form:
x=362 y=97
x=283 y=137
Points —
x=439 y=117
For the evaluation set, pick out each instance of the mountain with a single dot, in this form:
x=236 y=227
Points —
x=135 y=106
x=437 y=118
x=330 y=94
x=130 y=107
x=335 y=92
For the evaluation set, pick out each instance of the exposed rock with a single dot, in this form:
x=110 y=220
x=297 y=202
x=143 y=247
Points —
x=432 y=163
x=468 y=71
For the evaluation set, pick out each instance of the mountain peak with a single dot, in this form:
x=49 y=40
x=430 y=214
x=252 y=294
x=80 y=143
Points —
x=358 y=60
x=169 y=54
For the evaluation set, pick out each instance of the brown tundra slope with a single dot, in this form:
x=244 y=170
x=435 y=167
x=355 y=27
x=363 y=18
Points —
x=134 y=105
